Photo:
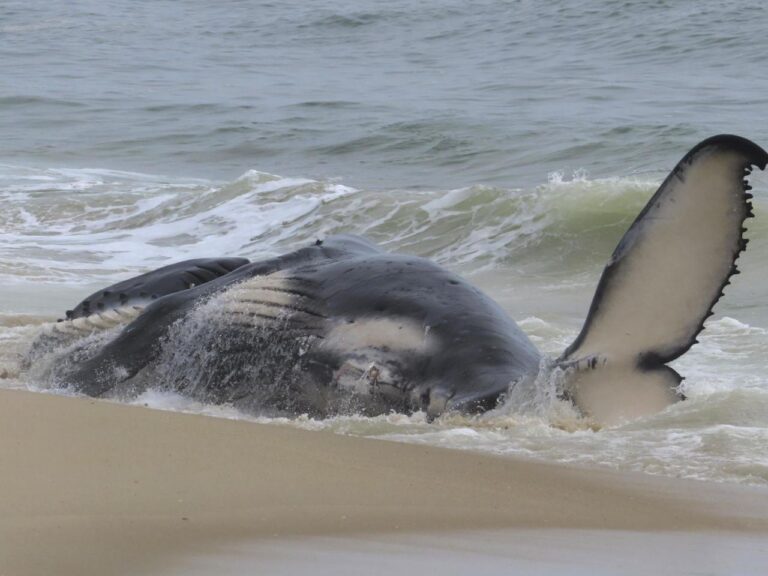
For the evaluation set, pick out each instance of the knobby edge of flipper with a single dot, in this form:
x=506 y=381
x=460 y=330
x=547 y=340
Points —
x=662 y=282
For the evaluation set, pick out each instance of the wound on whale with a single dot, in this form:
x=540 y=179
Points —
x=343 y=326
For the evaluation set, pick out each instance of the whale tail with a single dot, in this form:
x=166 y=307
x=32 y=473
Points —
x=661 y=283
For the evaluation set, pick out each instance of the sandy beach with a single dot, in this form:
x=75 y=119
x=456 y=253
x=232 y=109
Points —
x=91 y=487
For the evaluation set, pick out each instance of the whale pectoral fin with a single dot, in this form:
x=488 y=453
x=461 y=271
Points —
x=136 y=346
x=140 y=290
x=121 y=303
x=615 y=393
x=671 y=266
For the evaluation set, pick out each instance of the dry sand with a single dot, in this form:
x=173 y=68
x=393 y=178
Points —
x=90 y=487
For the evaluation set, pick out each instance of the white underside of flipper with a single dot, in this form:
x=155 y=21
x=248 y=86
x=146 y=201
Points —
x=618 y=392
x=662 y=281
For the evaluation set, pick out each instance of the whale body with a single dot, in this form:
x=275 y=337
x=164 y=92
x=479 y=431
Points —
x=343 y=326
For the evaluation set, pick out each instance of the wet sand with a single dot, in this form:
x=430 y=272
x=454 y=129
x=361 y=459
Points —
x=528 y=551
x=90 y=487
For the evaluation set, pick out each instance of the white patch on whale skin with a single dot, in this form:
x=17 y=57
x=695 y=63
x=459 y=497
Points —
x=392 y=333
x=372 y=349
x=614 y=394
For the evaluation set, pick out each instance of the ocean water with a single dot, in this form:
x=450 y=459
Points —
x=512 y=142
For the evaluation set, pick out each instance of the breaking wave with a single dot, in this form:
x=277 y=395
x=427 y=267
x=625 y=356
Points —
x=92 y=225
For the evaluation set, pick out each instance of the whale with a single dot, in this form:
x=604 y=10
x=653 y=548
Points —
x=343 y=326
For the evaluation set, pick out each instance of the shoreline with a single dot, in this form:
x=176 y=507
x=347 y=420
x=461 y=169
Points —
x=94 y=487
